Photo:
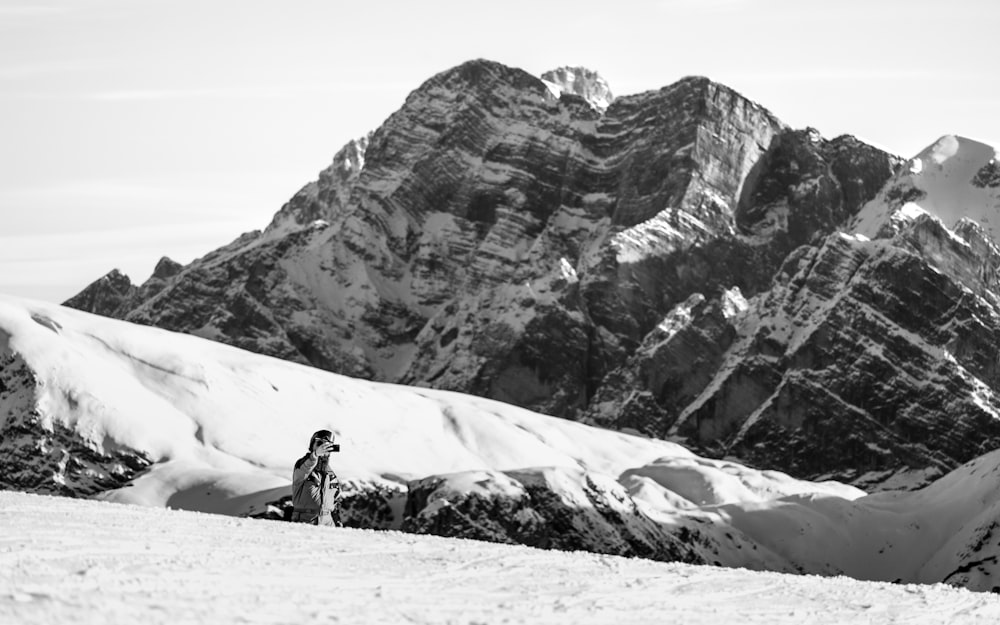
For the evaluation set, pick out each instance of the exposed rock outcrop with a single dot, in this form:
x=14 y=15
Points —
x=872 y=361
x=114 y=295
x=43 y=456
x=549 y=509
x=111 y=295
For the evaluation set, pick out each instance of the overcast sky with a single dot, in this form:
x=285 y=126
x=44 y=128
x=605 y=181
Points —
x=134 y=129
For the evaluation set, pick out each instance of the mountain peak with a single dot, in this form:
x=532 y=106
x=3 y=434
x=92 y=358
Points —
x=116 y=279
x=953 y=179
x=166 y=268
x=956 y=149
x=580 y=81
x=104 y=296
x=482 y=73
x=711 y=93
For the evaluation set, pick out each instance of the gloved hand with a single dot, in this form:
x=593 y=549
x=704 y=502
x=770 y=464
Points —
x=322 y=449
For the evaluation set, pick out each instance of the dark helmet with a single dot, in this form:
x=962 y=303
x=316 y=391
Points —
x=324 y=435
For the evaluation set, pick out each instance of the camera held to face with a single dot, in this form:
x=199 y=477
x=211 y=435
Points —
x=331 y=447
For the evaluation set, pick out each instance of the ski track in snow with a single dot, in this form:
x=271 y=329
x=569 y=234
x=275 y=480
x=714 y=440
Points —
x=65 y=560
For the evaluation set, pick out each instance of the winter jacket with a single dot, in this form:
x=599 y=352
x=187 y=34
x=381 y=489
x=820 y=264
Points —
x=315 y=492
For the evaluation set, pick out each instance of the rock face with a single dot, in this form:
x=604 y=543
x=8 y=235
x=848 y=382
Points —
x=114 y=295
x=552 y=509
x=326 y=198
x=649 y=265
x=869 y=360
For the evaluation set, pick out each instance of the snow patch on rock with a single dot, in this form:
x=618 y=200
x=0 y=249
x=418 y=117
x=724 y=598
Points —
x=580 y=81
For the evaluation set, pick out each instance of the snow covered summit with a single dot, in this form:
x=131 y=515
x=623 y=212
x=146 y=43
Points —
x=953 y=179
x=580 y=81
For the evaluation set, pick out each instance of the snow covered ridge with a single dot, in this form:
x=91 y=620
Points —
x=132 y=414
x=88 y=562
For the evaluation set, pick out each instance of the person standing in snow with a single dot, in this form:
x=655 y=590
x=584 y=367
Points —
x=315 y=487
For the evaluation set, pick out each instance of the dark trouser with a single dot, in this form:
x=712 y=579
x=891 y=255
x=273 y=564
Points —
x=330 y=518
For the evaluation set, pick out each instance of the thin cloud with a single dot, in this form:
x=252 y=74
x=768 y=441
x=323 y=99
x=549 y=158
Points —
x=30 y=70
x=702 y=5
x=263 y=92
x=103 y=190
x=54 y=267
x=131 y=95
x=30 y=11
x=114 y=243
x=123 y=203
x=845 y=74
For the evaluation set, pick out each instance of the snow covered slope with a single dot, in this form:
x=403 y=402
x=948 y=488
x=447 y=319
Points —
x=94 y=406
x=89 y=562
x=953 y=179
x=204 y=412
x=945 y=532
x=211 y=417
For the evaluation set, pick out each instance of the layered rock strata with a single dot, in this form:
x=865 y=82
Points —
x=502 y=237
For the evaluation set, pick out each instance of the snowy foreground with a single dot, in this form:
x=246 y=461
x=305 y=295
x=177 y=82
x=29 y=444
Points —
x=80 y=395
x=65 y=560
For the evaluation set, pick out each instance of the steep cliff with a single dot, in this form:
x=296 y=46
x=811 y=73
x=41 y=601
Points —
x=868 y=360
x=673 y=263
x=485 y=222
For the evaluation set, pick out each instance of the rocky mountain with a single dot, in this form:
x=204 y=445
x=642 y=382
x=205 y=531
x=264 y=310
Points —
x=677 y=262
x=872 y=359
x=114 y=295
